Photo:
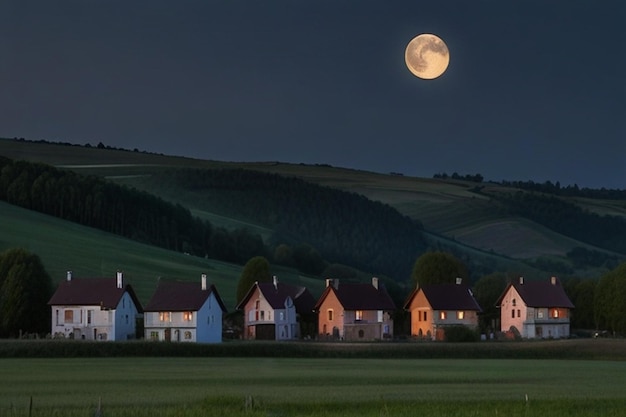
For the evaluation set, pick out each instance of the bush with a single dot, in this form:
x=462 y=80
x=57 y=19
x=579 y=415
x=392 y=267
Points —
x=459 y=333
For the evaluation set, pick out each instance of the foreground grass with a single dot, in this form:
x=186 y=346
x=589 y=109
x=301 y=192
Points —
x=311 y=387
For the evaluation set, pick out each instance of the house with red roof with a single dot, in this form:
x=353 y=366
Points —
x=355 y=311
x=184 y=312
x=275 y=310
x=435 y=307
x=535 y=309
x=94 y=309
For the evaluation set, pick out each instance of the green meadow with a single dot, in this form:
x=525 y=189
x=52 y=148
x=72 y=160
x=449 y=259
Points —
x=168 y=386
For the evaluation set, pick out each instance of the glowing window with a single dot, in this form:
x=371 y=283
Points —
x=442 y=315
x=164 y=316
x=460 y=315
x=555 y=313
x=187 y=316
x=359 y=315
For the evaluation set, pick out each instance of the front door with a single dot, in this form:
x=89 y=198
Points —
x=168 y=334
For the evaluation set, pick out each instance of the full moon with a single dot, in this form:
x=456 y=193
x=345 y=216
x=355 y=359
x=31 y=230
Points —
x=427 y=56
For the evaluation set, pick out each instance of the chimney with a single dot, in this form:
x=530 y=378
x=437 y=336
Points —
x=459 y=280
x=553 y=280
x=203 y=281
x=332 y=282
x=521 y=280
x=275 y=282
x=375 y=282
x=119 y=279
x=69 y=276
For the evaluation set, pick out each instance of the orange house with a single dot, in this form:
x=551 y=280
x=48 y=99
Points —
x=437 y=306
x=535 y=309
x=350 y=311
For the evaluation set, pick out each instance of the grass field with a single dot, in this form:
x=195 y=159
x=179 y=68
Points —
x=311 y=387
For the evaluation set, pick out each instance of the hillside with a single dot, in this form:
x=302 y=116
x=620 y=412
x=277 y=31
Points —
x=452 y=213
x=88 y=252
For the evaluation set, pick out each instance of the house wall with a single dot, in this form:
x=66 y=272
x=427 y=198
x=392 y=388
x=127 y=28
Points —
x=86 y=322
x=209 y=321
x=421 y=316
x=513 y=313
x=257 y=311
x=126 y=312
x=171 y=326
x=286 y=322
x=328 y=327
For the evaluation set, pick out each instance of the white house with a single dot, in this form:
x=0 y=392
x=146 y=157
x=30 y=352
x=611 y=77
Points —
x=94 y=309
x=184 y=312
x=273 y=310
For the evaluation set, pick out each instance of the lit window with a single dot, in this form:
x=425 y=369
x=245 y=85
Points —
x=164 y=316
x=330 y=315
x=442 y=315
x=187 y=316
x=460 y=315
x=555 y=313
x=359 y=315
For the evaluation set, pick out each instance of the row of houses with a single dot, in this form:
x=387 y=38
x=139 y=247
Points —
x=108 y=309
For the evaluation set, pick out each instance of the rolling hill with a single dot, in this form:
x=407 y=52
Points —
x=454 y=215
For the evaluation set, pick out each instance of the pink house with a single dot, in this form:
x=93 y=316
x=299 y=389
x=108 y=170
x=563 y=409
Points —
x=535 y=309
x=437 y=306
x=349 y=311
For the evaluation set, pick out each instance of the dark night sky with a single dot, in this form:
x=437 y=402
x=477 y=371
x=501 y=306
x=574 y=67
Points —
x=535 y=90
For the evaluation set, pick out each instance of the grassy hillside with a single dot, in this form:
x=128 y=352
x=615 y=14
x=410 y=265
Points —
x=88 y=252
x=451 y=212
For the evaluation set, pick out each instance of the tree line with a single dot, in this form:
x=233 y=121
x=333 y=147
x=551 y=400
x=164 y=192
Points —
x=314 y=225
x=344 y=227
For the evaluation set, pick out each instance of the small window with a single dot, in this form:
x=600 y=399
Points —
x=442 y=315
x=164 y=316
x=555 y=313
x=69 y=316
x=359 y=315
x=460 y=315
x=154 y=335
x=514 y=302
x=187 y=316
x=330 y=315
x=262 y=315
x=512 y=314
x=540 y=314
x=282 y=315
x=187 y=335
x=519 y=313
x=425 y=315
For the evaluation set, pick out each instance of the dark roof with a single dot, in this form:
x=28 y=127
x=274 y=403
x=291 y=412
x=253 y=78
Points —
x=92 y=291
x=540 y=294
x=276 y=296
x=181 y=296
x=447 y=297
x=359 y=297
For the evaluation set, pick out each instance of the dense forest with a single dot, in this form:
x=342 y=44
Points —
x=311 y=222
x=344 y=227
